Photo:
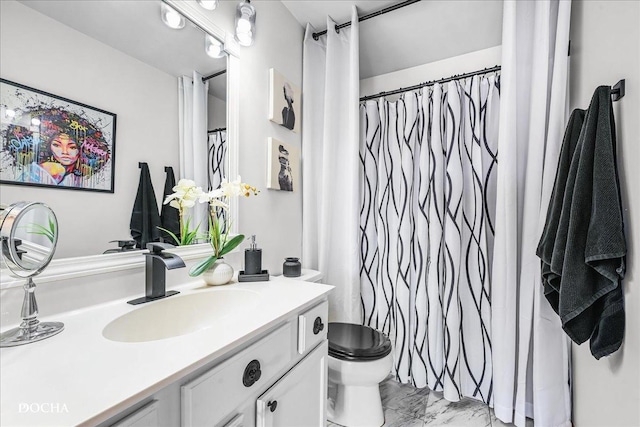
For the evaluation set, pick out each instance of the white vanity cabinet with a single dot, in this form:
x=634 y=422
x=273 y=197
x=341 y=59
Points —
x=277 y=379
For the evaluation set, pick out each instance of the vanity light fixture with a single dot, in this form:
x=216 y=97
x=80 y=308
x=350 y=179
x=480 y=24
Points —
x=208 y=4
x=213 y=47
x=245 y=23
x=171 y=17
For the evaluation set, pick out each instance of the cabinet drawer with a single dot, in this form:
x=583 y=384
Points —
x=312 y=327
x=212 y=396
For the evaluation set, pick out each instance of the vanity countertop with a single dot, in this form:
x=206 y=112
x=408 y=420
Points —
x=80 y=377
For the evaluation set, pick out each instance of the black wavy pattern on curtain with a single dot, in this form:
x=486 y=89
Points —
x=426 y=232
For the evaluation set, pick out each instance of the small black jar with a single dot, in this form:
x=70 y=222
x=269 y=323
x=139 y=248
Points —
x=291 y=267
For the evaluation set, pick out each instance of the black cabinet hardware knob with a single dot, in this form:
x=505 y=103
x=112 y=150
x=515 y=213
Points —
x=272 y=405
x=252 y=373
x=317 y=326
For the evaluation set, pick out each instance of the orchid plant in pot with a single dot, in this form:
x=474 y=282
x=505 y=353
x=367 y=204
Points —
x=214 y=270
x=184 y=197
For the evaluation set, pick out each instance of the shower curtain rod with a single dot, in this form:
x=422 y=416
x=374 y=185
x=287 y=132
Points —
x=216 y=130
x=431 y=83
x=219 y=73
x=317 y=35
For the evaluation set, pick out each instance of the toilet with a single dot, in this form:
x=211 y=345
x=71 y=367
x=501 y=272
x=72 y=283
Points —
x=359 y=359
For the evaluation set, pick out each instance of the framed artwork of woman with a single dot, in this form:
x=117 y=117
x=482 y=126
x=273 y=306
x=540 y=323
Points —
x=50 y=141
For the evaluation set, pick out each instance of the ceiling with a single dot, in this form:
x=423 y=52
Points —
x=141 y=35
x=420 y=33
x=423 y=32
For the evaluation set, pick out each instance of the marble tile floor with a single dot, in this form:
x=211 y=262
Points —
x=407 y=406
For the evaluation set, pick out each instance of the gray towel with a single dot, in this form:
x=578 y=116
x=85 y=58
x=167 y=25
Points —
x=583 y=247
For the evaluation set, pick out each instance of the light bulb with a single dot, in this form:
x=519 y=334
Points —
x=171 y=18
x=245 y=39
x=208 y=4
x=35 y=121
x=213 y=47
x=9 y=113
x=245 y=23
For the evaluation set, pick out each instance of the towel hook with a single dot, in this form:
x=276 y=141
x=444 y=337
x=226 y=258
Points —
x=617 y=91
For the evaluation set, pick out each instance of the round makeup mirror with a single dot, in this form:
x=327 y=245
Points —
x=29 y=234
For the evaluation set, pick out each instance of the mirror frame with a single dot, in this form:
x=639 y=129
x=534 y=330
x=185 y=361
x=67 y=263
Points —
x=66 y=268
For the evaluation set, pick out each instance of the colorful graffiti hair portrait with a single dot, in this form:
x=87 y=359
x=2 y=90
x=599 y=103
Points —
x=58 y=148
x=50 y=141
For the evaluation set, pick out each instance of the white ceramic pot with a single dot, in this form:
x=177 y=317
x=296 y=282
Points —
x=219 y=273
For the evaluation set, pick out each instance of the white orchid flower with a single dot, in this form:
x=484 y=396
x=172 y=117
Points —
x=211 y=195
x=232 y=189
x=186 y=193
x=218 y=203
x=184 y=185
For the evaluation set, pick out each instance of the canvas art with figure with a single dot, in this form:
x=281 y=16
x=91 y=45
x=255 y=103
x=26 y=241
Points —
x=284 y=105
x=54 y=142
x=283 y=165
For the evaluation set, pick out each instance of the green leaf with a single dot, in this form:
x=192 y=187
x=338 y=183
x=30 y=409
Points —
x=175 y=238
x=202 y=266
x=41 y=230
x=232 y=244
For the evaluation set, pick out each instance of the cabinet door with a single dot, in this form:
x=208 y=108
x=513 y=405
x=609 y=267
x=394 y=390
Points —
x=299 y=398
x=147 y=416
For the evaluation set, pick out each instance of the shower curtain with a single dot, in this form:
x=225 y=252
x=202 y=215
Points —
x=192 y=127
x=330 y=164
x=531 y=353
x=428 y=176
x=217 y=153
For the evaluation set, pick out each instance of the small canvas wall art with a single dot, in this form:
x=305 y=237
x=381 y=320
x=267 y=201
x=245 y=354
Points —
x=283 y=166
x=50 y=141
x=284 y=102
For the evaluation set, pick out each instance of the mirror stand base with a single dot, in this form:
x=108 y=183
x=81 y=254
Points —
x=149 y=299
x=20 y=336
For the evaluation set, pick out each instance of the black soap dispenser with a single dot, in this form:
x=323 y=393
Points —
x=253 y=258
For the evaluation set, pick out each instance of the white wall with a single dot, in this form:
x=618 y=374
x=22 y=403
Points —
x=216 y=113
x=275 y=217
x=605 y=47
x=41 y=53
x=436 y=70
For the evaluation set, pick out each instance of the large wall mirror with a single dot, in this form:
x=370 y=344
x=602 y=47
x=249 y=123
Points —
x=120 y=57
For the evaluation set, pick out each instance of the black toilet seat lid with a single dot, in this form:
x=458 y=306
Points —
x=349 y=341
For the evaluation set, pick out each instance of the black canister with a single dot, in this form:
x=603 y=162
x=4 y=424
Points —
x=291 y=267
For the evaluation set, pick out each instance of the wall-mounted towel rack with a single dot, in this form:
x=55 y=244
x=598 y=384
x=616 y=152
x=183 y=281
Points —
x=617 y=91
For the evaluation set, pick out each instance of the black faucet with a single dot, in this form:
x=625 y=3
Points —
x=156 y=261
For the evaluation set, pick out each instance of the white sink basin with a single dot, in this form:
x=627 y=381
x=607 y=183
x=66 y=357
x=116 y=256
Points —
x=180 y=315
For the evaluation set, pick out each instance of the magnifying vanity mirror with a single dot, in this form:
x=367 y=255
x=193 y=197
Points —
x=29 y=233
x=120 y=57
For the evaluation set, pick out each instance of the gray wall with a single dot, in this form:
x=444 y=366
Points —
x=605 y=47
x=275 y=217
